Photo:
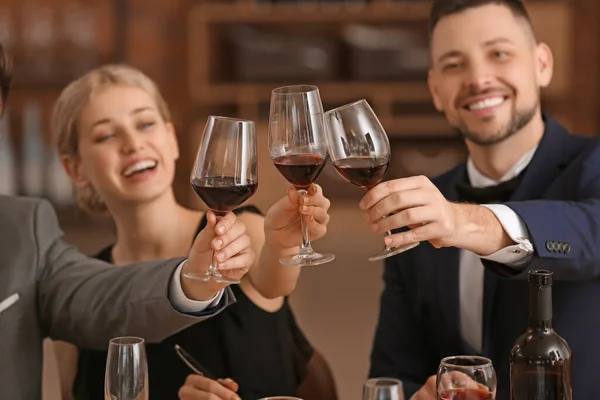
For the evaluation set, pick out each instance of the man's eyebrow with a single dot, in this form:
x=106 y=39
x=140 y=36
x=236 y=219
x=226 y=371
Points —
x=487 y=43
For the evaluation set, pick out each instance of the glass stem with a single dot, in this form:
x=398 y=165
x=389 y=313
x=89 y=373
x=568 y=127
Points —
x=213 y=270
x=305 y=248
x=387 y=233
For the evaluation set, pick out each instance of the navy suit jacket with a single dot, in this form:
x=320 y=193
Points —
x=559 y=200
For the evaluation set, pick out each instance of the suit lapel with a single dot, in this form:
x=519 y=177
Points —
x=550 y=158
x=553 y=154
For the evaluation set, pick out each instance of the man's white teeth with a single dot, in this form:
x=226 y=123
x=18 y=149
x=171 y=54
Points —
x=139 y=166
x=490 y=102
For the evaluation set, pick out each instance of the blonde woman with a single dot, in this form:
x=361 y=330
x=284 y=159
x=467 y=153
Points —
x=118 y=144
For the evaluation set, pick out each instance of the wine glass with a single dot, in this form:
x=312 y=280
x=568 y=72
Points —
x=126 y=376
x=466 y=378
x=299 y=151
x=383 y=389
x=225 y=173
x=360 y=152
x=281 y=398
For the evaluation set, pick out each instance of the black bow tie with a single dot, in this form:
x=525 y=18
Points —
x=491 y=194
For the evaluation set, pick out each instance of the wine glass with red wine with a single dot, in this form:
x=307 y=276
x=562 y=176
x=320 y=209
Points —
x=466 y=378
x=360 y=152
x=299 y=151
x=225 y=172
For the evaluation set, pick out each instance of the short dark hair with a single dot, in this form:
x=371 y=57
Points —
x=443 y=8
x=5 y=76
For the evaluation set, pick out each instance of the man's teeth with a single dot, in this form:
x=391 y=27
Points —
x=139 y=166
x=491 y=102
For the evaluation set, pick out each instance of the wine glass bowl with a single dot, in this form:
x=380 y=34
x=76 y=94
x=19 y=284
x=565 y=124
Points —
x=126 y=376
x=466 y=378
x=298 y=148
x=360 y=152
x=225 y=173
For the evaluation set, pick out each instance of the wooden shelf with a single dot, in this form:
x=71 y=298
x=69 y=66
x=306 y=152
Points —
x=248 y=12
x=250 y=93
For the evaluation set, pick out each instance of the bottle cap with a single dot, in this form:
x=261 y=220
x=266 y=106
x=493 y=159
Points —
x=540 y=277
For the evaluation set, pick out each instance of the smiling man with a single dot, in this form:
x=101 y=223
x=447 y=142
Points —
x=464 y=289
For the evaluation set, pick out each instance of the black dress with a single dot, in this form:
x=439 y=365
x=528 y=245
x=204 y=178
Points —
x=265 y=353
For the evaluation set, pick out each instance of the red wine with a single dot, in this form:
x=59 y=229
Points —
x=540 y=360
x=300 y=169
x=466 y=394
x=221 y=193
x=364 y=172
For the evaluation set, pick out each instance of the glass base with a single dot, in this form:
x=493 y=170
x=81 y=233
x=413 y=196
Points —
x=211 y=277
x=392 y=251
x=306 y=260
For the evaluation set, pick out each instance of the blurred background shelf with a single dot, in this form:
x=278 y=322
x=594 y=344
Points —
x=332 y=11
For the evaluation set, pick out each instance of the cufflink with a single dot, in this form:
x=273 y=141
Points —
x=524 y=245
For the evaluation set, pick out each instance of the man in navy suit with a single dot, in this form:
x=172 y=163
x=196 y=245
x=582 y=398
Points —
x=464 y=290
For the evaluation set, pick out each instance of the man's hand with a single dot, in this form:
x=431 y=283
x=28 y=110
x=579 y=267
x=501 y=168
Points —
x=198 y=387
x=282 y=222
x=233 y=253
x=415 y=202
x=428 y=391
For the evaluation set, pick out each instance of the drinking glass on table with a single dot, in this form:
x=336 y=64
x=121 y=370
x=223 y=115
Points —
x=225 y=173
x=360 y=152
x=298 y=149
x=281 y=398
x=126 y=376
x=466 y=378
x=383 y=389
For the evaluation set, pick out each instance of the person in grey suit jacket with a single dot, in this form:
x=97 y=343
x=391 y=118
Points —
x=49 y=289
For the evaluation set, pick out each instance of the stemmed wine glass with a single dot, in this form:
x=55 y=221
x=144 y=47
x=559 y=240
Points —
x=225 y=173
x=360 y=152
x=466 y=378
x=126 y=376
x=383 y=389
x=299 y=150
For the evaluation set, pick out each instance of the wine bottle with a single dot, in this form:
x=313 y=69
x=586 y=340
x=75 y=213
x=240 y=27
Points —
x=540 y=360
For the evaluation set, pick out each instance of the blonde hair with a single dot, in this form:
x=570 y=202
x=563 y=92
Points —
x=72 y=100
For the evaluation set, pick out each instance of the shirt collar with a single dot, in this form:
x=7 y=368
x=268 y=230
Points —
x=478 y=179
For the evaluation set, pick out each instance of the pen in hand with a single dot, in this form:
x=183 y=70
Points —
x=199 y=369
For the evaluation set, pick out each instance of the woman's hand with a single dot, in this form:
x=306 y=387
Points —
x=198 y=387
x=282 y=222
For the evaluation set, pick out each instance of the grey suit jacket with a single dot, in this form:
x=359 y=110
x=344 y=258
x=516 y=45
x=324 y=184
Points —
x=49 y=289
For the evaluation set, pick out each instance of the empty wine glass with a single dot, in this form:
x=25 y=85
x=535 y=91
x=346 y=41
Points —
x=281 y=398
x=298 y=149
x=360 y=152
x=383 y=389
x=225 y=173
x=126 y=376
x=466 y=378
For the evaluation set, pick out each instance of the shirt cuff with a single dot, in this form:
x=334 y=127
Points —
x=520 y=253
x=181 y=303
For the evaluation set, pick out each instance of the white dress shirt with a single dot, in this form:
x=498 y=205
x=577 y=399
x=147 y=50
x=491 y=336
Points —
x=470 y=267
x=180 y=301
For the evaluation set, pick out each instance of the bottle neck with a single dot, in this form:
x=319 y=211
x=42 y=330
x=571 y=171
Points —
x=540 y=307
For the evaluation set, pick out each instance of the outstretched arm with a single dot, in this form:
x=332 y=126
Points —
x=279 y=235
x=87 y=302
